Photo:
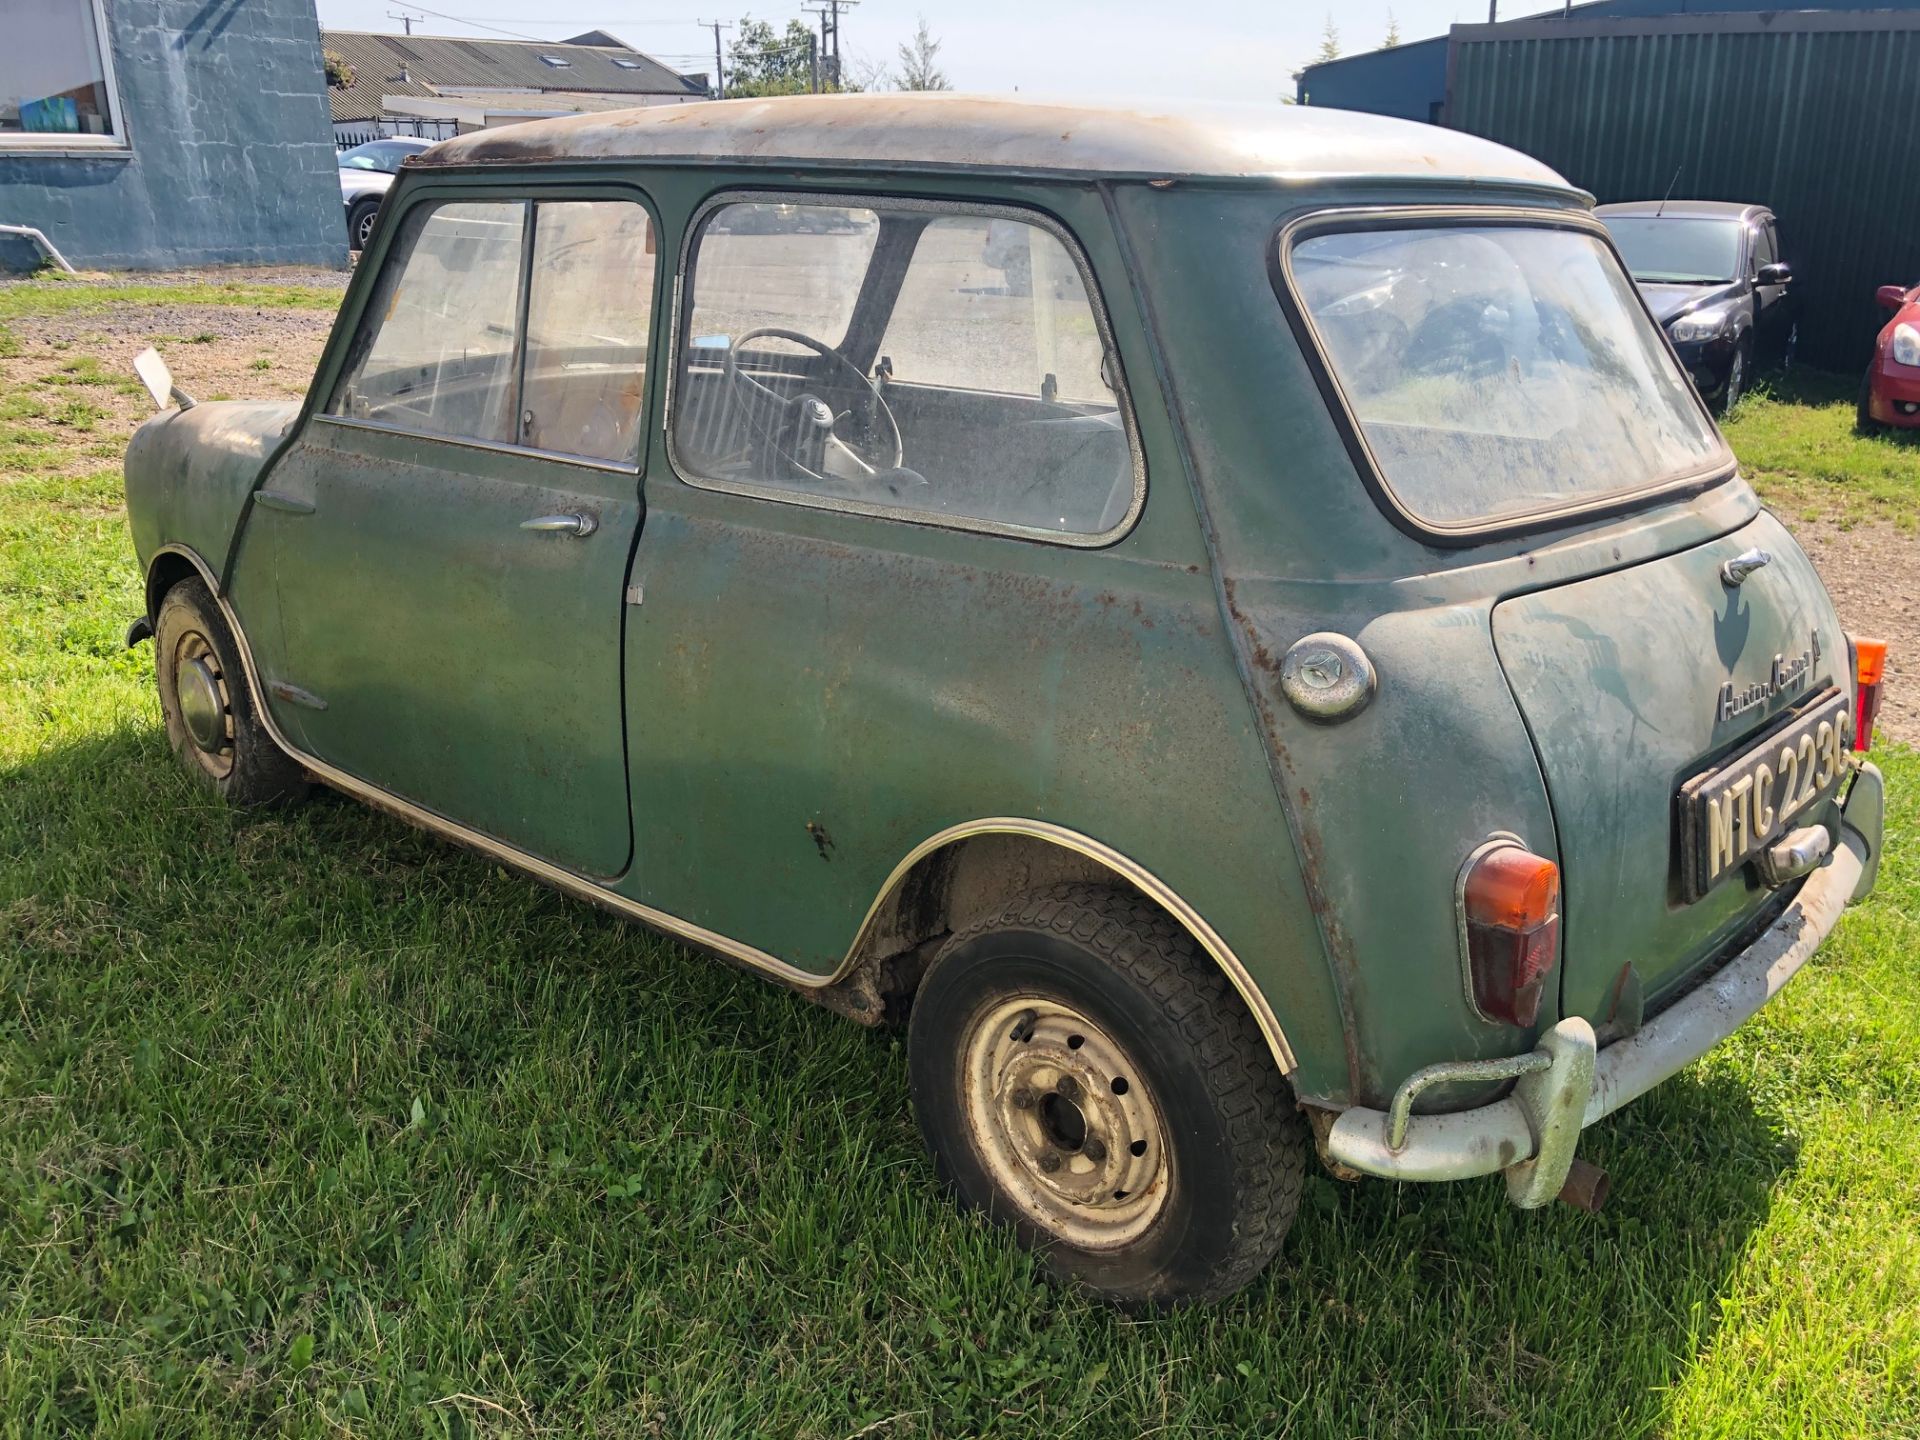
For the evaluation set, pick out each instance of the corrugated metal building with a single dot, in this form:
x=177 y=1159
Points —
x=1410 y=80
x=1810 y=111
x=1812 y=114
x=436 y=86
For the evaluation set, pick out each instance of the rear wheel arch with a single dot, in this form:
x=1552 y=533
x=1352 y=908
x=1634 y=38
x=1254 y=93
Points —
x=970 y=873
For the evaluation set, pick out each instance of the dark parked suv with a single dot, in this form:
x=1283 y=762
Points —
x=1712 y=273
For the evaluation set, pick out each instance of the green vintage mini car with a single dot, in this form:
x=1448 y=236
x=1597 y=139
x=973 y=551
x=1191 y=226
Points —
x=1233 y=624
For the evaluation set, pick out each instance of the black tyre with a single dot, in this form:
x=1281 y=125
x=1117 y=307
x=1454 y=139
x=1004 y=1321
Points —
x=1863 y=420
x=1736 y=378
x=360 y=222
x=1083 y=1074
x=208 y=709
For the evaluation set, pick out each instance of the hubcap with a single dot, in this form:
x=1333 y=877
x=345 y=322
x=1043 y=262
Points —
x=1066 y=1122
x=200 y=690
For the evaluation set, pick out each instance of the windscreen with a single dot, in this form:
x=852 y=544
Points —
x=1499 y=371
x=1675 y=250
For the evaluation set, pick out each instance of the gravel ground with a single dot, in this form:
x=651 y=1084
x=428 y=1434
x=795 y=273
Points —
x=1872 y=569
x=1873 y=573
x=214 y=351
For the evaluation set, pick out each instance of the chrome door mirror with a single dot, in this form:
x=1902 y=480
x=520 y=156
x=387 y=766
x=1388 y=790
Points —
x=158 y=379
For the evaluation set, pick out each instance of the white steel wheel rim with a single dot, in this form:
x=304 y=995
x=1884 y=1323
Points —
x=199 y=685
x=1066 y=1123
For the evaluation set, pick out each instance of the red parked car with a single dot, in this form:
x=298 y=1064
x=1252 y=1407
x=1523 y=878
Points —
x=1890 y=395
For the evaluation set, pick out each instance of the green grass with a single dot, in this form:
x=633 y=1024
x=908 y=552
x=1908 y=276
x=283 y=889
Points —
x=312 y=1126
x=49 y=296
x=1797 y=442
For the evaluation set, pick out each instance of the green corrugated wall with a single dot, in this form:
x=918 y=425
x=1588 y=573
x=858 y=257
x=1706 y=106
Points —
x=1815 y=115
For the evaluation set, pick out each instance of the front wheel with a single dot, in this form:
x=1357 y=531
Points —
x=360 y=223
x=208 y=710
x=1863 y=420
x=1082 y=1074
x=1736 y=380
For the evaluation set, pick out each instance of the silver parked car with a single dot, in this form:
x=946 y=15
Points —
x=365 y=173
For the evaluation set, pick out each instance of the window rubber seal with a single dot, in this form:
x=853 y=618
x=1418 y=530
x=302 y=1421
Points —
x=1347 y=219
x=682 y=316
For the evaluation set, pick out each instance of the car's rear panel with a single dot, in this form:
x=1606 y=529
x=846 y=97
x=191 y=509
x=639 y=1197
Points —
x=1621 y=679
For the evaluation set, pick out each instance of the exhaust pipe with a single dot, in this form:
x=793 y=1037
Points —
x=1587 y=1186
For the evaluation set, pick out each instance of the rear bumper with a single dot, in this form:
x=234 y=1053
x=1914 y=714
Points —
x=1532 y=1133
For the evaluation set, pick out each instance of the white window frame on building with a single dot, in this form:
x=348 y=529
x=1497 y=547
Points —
x=68 y=142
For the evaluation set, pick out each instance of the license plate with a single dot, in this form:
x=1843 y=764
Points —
x=1730 y=814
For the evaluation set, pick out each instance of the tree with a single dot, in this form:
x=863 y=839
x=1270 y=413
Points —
x=917 y=69
x=339 y=73
x=861 y=72
x=765 y=61
x=1393 y=32
x=1329 y=43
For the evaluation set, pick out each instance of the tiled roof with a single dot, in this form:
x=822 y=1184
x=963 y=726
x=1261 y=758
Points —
x=432 y=62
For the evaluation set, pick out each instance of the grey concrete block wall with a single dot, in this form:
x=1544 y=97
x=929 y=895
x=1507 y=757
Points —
x=230 y=159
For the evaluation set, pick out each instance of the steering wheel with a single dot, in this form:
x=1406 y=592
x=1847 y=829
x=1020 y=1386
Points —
x=813 y=419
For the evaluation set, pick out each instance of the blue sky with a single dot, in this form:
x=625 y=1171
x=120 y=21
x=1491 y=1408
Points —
x=1212 y=49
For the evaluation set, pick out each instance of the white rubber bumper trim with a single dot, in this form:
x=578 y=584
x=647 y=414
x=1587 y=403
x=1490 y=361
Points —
x=1494 y=1137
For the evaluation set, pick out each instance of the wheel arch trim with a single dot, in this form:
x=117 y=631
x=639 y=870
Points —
x=1120 y=866
x=1124 y=869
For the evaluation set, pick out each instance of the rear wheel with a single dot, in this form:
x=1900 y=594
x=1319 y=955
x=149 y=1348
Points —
x=1082 y=1074
x=209 y=713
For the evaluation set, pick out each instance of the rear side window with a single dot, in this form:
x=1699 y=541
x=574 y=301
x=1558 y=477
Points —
x=928 y=362
x=465 y=338
x=1499 y=373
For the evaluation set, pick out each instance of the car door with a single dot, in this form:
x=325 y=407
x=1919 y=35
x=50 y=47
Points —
x=1772 y=307
x=851 y=652
x=450 y=533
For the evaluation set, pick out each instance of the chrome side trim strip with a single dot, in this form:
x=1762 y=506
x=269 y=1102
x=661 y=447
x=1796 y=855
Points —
x=565 y=880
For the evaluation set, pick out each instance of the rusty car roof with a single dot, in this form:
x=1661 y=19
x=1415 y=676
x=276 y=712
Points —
x=946 y=132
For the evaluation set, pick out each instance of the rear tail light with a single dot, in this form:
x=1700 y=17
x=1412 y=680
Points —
x=1869 y=668
x=1510 y=930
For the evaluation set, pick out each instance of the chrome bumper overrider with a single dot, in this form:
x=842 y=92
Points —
x=1565 y=1084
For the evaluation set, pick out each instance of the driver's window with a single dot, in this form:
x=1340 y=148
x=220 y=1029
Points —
x=452 y=347
x=906 y=358
x=440 y=357
x=1763 y=252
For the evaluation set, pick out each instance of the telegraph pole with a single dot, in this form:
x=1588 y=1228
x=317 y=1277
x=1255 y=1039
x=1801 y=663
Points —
x=719 y=69
x=829 y=13
x=404 y=19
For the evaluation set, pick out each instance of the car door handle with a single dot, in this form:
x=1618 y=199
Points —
x=580 y=522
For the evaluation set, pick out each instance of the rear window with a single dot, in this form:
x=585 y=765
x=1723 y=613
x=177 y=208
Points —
x=1677 y=250
x=1499 y=372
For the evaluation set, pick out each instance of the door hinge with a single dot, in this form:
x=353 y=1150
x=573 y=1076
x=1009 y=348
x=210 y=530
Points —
x=635 y=594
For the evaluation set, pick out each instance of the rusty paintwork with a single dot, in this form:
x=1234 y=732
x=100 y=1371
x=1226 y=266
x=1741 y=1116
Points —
x=796 y=726
x=948 y=133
